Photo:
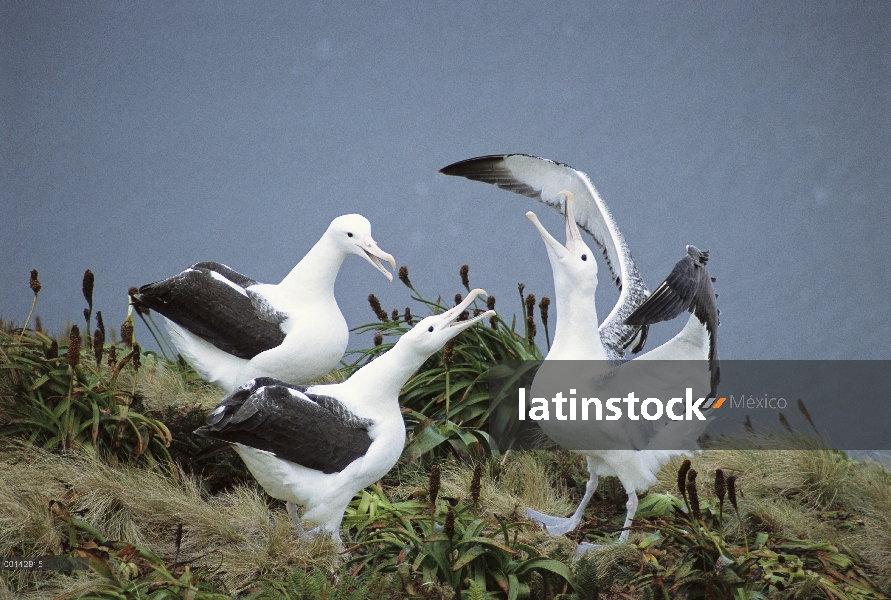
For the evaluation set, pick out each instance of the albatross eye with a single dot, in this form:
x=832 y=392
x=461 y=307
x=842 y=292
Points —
x=584 y=257
x=349 y=234
x=431 y=329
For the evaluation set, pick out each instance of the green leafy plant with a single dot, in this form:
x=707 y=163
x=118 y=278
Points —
x=446 y=404
x=452 y=545
x=60 y=402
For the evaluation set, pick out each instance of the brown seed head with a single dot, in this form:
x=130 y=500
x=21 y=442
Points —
x=127 y=331
x=803 y=410
x=98 y=345
x=463 y=316
x=137 y=356
x=477 y=312
x=691 y=476
x=403 y=277
x=448 y=354
x=34 y=282
x=376 y=307
x=449 y=526
x=86 y=314
x=720 y=485
x=395 y=315
x=433 y=484
x=785 y=423
x=731 y=491
x=543 y=307
x=476 y=483
x=694 y=499
x=53 y=351
x=408 y=318
x=490 y=303
x=530 y=305
x=682 y=477
x=465 y=281
x=112 y=356
x=74 y=346
x=38 y=324
x=458 y=299
x=100 y=323
x=493 y=321
x=378 y=338
x=87 y=288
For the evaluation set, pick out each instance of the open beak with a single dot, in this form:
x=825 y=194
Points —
x=375 y=255
x=453 y=313
x=572 y=230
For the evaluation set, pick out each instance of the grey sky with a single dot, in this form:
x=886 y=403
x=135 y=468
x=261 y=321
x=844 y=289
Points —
x=139 y=138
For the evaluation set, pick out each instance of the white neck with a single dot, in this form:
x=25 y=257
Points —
x=381 y=380
x=317 y=270
x=576 y=335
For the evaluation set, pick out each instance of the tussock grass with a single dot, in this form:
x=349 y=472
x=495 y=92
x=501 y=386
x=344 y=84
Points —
x=235 y=535
x=811 y=493
x=507 y=489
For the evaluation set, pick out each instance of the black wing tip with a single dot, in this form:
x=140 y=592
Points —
x=462 y=167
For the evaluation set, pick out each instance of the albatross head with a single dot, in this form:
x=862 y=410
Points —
x=353 y=234
x=430 y=334
x=573 y=263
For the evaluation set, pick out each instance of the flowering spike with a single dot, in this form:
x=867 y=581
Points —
x=87 y=288
x=408 y=317
x=378 y=338
x=74 y=346
x=127 y=331
x=137 y=356
x=465 y=280
x=98 y=345
x=449 y=525
x=376 y=307
x=34 y=282
x=403 y=277
x=476 y=483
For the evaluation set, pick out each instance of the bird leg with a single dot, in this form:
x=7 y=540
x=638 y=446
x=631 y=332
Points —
x=632 y=509
x=631 y=505
x=292 y=511
x=561 y=525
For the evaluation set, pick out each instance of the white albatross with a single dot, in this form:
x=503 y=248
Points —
x=544 y=180
x=688 y=287
x=231 y=328
x=317 y=446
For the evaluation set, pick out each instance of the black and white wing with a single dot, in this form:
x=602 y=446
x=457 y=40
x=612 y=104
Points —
x=211 y=301
x=543 y=180
x=317 y=432
x=687 y=288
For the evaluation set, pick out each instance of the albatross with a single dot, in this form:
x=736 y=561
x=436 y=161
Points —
x=544 y=180
x=687 y=288
x=232 y=328
x=317 y=446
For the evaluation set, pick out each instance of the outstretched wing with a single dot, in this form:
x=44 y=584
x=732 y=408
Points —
x=317 y=432
x=687 y=288
x=211 y=301
x=543 y=180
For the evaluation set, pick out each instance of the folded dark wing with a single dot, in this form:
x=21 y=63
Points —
x=224 y=314
x=317 y=432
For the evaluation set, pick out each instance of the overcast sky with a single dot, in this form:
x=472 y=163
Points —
x=139 y=138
